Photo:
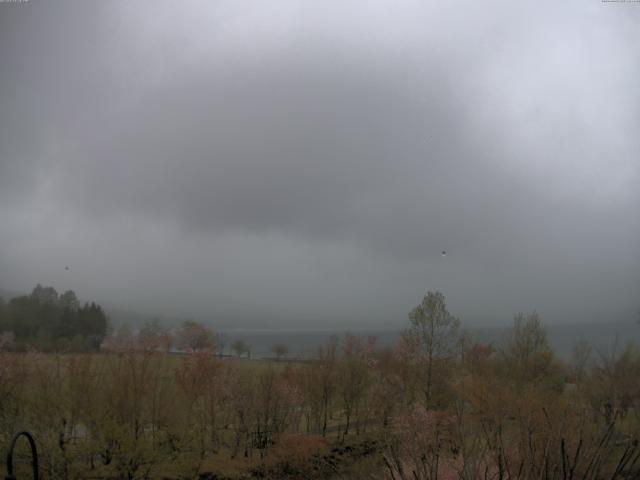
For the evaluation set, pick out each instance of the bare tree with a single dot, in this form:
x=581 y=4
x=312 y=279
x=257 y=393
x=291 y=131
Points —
x=580 y=358
x=280 y=351
x=433 y=335
x=220 y=342
x=354 y=372
x=528 y=354
x=323 y=381
x=240 y=347
x=195 y=336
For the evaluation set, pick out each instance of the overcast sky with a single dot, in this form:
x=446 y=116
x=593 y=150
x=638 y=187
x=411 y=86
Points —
x=304 y=163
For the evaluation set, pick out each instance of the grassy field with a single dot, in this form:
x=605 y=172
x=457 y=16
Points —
x=154 y=415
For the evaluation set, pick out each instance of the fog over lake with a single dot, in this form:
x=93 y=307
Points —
x=303 y=165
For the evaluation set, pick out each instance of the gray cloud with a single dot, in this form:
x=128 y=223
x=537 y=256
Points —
x=289 y=163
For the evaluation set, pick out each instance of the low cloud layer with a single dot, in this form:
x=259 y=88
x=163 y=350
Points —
x=298 y=164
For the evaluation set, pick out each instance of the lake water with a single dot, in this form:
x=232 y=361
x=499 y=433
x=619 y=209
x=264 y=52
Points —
x=604 y=338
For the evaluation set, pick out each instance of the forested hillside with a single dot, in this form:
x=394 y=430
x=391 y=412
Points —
x=47 y=320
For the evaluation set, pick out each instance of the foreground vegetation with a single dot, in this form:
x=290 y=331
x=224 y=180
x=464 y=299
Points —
x=435 y=406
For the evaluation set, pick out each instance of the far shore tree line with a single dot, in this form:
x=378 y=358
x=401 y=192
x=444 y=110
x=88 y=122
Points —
x=48 y=321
